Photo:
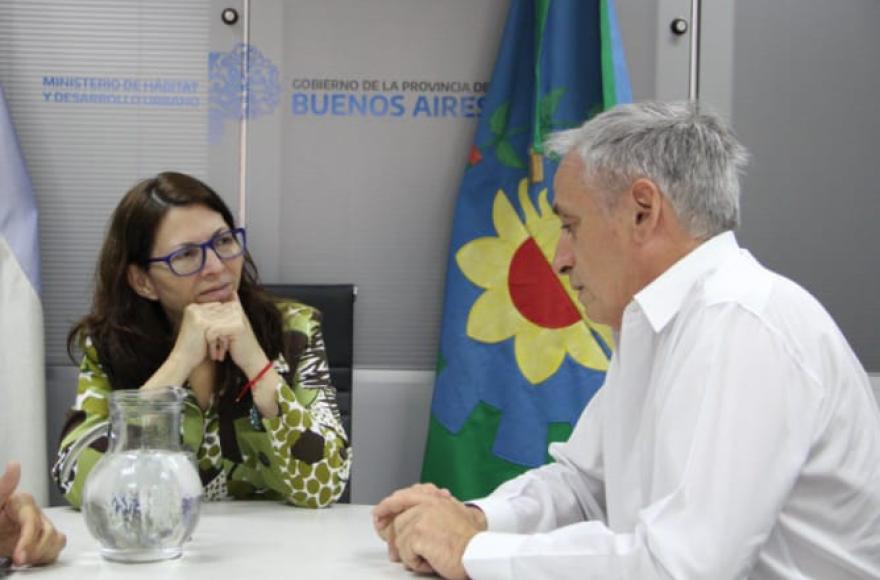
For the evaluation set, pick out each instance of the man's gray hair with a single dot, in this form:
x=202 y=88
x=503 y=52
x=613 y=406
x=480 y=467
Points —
x=690 y=153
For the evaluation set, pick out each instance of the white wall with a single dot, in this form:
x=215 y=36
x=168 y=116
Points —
x=390 y=423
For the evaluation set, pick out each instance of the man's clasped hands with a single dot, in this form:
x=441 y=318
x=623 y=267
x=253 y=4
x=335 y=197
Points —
x=427 y=529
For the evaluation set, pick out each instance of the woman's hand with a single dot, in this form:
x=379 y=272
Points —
x=190 y=348
x=193 y=352
x=229 y=332
x=211 y=332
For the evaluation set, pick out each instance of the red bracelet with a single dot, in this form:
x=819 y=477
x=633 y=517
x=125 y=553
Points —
x=249 y=385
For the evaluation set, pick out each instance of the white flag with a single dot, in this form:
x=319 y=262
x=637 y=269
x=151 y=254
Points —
x=22 y=371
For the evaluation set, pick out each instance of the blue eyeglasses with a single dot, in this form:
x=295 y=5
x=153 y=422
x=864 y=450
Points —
x=190 y=259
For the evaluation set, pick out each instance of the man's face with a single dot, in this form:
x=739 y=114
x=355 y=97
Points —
x=594 y=249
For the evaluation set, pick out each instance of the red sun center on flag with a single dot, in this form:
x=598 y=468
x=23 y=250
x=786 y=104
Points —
x=536 y=291
x=524 y=299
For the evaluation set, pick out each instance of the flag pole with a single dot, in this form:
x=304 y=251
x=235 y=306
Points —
x=245 y=113
x=536 y=151
x=694 y=72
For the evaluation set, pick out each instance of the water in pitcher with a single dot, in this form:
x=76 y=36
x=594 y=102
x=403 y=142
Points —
x=147 y=509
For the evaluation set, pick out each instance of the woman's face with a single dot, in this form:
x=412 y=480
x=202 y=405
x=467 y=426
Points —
x=217 y=281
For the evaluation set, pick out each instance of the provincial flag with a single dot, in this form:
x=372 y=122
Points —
x=518 y=357
x=22 y=371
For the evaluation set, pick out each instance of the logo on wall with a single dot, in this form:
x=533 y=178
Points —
x=241 y=82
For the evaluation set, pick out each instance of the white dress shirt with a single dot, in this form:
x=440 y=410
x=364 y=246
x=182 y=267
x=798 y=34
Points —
x=736 y=436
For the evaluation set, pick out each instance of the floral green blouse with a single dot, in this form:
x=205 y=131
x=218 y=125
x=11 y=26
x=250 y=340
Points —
x=302 y=455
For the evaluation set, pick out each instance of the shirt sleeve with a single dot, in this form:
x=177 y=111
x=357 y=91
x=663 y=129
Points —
x=306 y=451
x=569 y=490
x=731 y=433
x=85 y=435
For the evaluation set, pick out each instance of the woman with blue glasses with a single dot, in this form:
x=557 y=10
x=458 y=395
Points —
x=178 y=302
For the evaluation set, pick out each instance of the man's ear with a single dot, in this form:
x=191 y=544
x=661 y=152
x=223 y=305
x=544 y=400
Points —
x=646 y=206
x=141 y=283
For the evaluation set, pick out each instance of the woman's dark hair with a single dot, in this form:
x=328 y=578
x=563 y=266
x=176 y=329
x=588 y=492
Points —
x=133 y=335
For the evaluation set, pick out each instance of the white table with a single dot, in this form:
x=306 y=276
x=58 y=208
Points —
x=242 y=540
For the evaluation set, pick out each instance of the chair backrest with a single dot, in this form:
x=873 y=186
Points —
x=336 y=303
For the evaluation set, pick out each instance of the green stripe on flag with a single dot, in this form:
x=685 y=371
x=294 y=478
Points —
x=542 y=7
x=609 y=93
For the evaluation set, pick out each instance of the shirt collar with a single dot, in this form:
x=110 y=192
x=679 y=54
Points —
x=662 y=299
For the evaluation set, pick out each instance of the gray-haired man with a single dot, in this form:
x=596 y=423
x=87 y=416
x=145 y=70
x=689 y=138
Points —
x=736 y=434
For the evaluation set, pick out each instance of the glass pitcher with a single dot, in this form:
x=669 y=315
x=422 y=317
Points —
x=141 y=500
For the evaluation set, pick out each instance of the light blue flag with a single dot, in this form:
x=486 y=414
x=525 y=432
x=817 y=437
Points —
x=22 y=371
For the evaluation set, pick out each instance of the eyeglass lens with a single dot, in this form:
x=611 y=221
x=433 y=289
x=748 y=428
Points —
x=189 y=260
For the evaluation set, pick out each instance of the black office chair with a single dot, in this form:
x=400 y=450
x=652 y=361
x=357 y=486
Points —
x=336 y=303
